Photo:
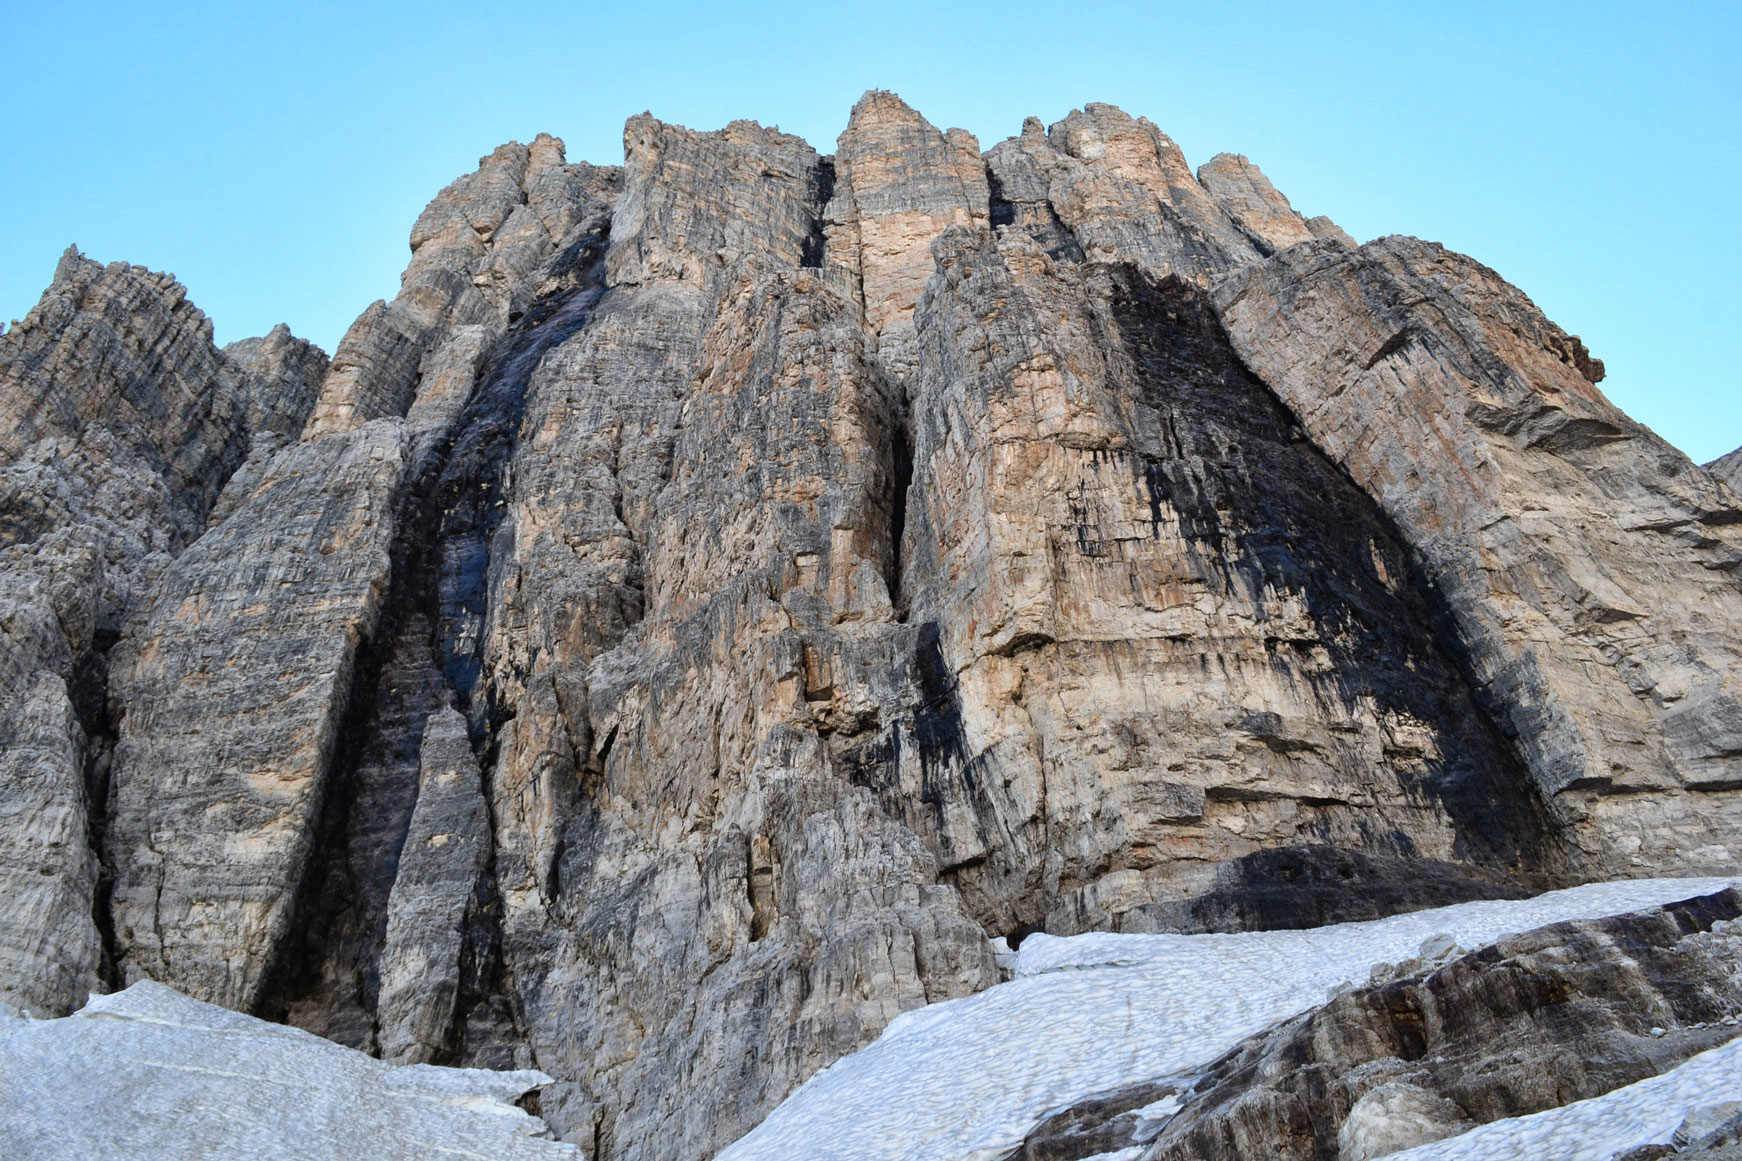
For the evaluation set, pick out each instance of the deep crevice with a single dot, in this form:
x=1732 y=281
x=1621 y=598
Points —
x=900 y=480
x=88 y=690
x=822 y=189
x=427 y=650
x=999 y=208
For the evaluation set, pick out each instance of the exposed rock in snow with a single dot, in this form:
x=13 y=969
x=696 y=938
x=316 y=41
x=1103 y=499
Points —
x=150 y=1074
x=967 y=1080
x=1559 y=1014
x=1646 y=1113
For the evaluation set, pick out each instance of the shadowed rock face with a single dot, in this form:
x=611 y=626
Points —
x=1549 y=521
x=775 y=574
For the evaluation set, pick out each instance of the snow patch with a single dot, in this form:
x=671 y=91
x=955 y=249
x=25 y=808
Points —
x=967 y=1079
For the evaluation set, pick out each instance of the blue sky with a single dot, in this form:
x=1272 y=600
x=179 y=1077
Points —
x=274 y=157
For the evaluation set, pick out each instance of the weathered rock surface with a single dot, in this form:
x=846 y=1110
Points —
x=1247 y=196
x=447 y=847
x=1150 y=668
x=233 y=688
x=1589 y=569
x=121 y=423
x=237 y=688
x=899 y=183
x=778 y=573
x=691 y=884
x=148 y=1074
x=1728 y=468
x=288 y=373
x=49 y=942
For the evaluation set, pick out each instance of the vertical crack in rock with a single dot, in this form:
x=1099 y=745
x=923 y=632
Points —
x=89 y=691
x=900 y=443
x=822 y=189
x=667 y=658
x=122 y=425
x=687 y=875
x=427 y=653
x=472 y=491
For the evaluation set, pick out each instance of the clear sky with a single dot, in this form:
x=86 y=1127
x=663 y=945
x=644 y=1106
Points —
x=274 y=156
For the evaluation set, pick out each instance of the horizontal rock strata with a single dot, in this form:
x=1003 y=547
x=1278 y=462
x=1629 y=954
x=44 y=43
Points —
x=717 y=595
x=120 y=424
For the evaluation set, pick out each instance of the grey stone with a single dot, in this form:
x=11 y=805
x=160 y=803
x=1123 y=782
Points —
x=446 y=848
x=1262 y=213
x=120 y=423
x=1541 y=1019
x=1728 y=468
x=1706 y=1126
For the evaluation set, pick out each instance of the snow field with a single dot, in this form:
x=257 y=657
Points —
x=965 y=1080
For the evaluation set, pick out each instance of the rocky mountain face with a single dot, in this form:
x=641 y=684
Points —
x=1728 y=468
x=719 y=594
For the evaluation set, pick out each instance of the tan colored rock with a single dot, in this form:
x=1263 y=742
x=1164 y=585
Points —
x=1124 y=190
x=899 y=183
x=1590 y=570
x=778 y=574
x=695 y=601
x=287 y=373
x=1146 y=671
x=480 y=253
x=112 y=382
x=1247 y=196
x=695 y=203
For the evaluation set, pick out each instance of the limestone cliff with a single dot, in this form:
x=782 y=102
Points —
x=717 y=595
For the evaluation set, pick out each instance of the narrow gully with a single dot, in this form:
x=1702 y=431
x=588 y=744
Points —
x=427 y=650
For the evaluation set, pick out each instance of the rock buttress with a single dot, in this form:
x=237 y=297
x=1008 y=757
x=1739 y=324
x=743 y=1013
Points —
x=120 y=423
x=700 y=909
x=1590 y=569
